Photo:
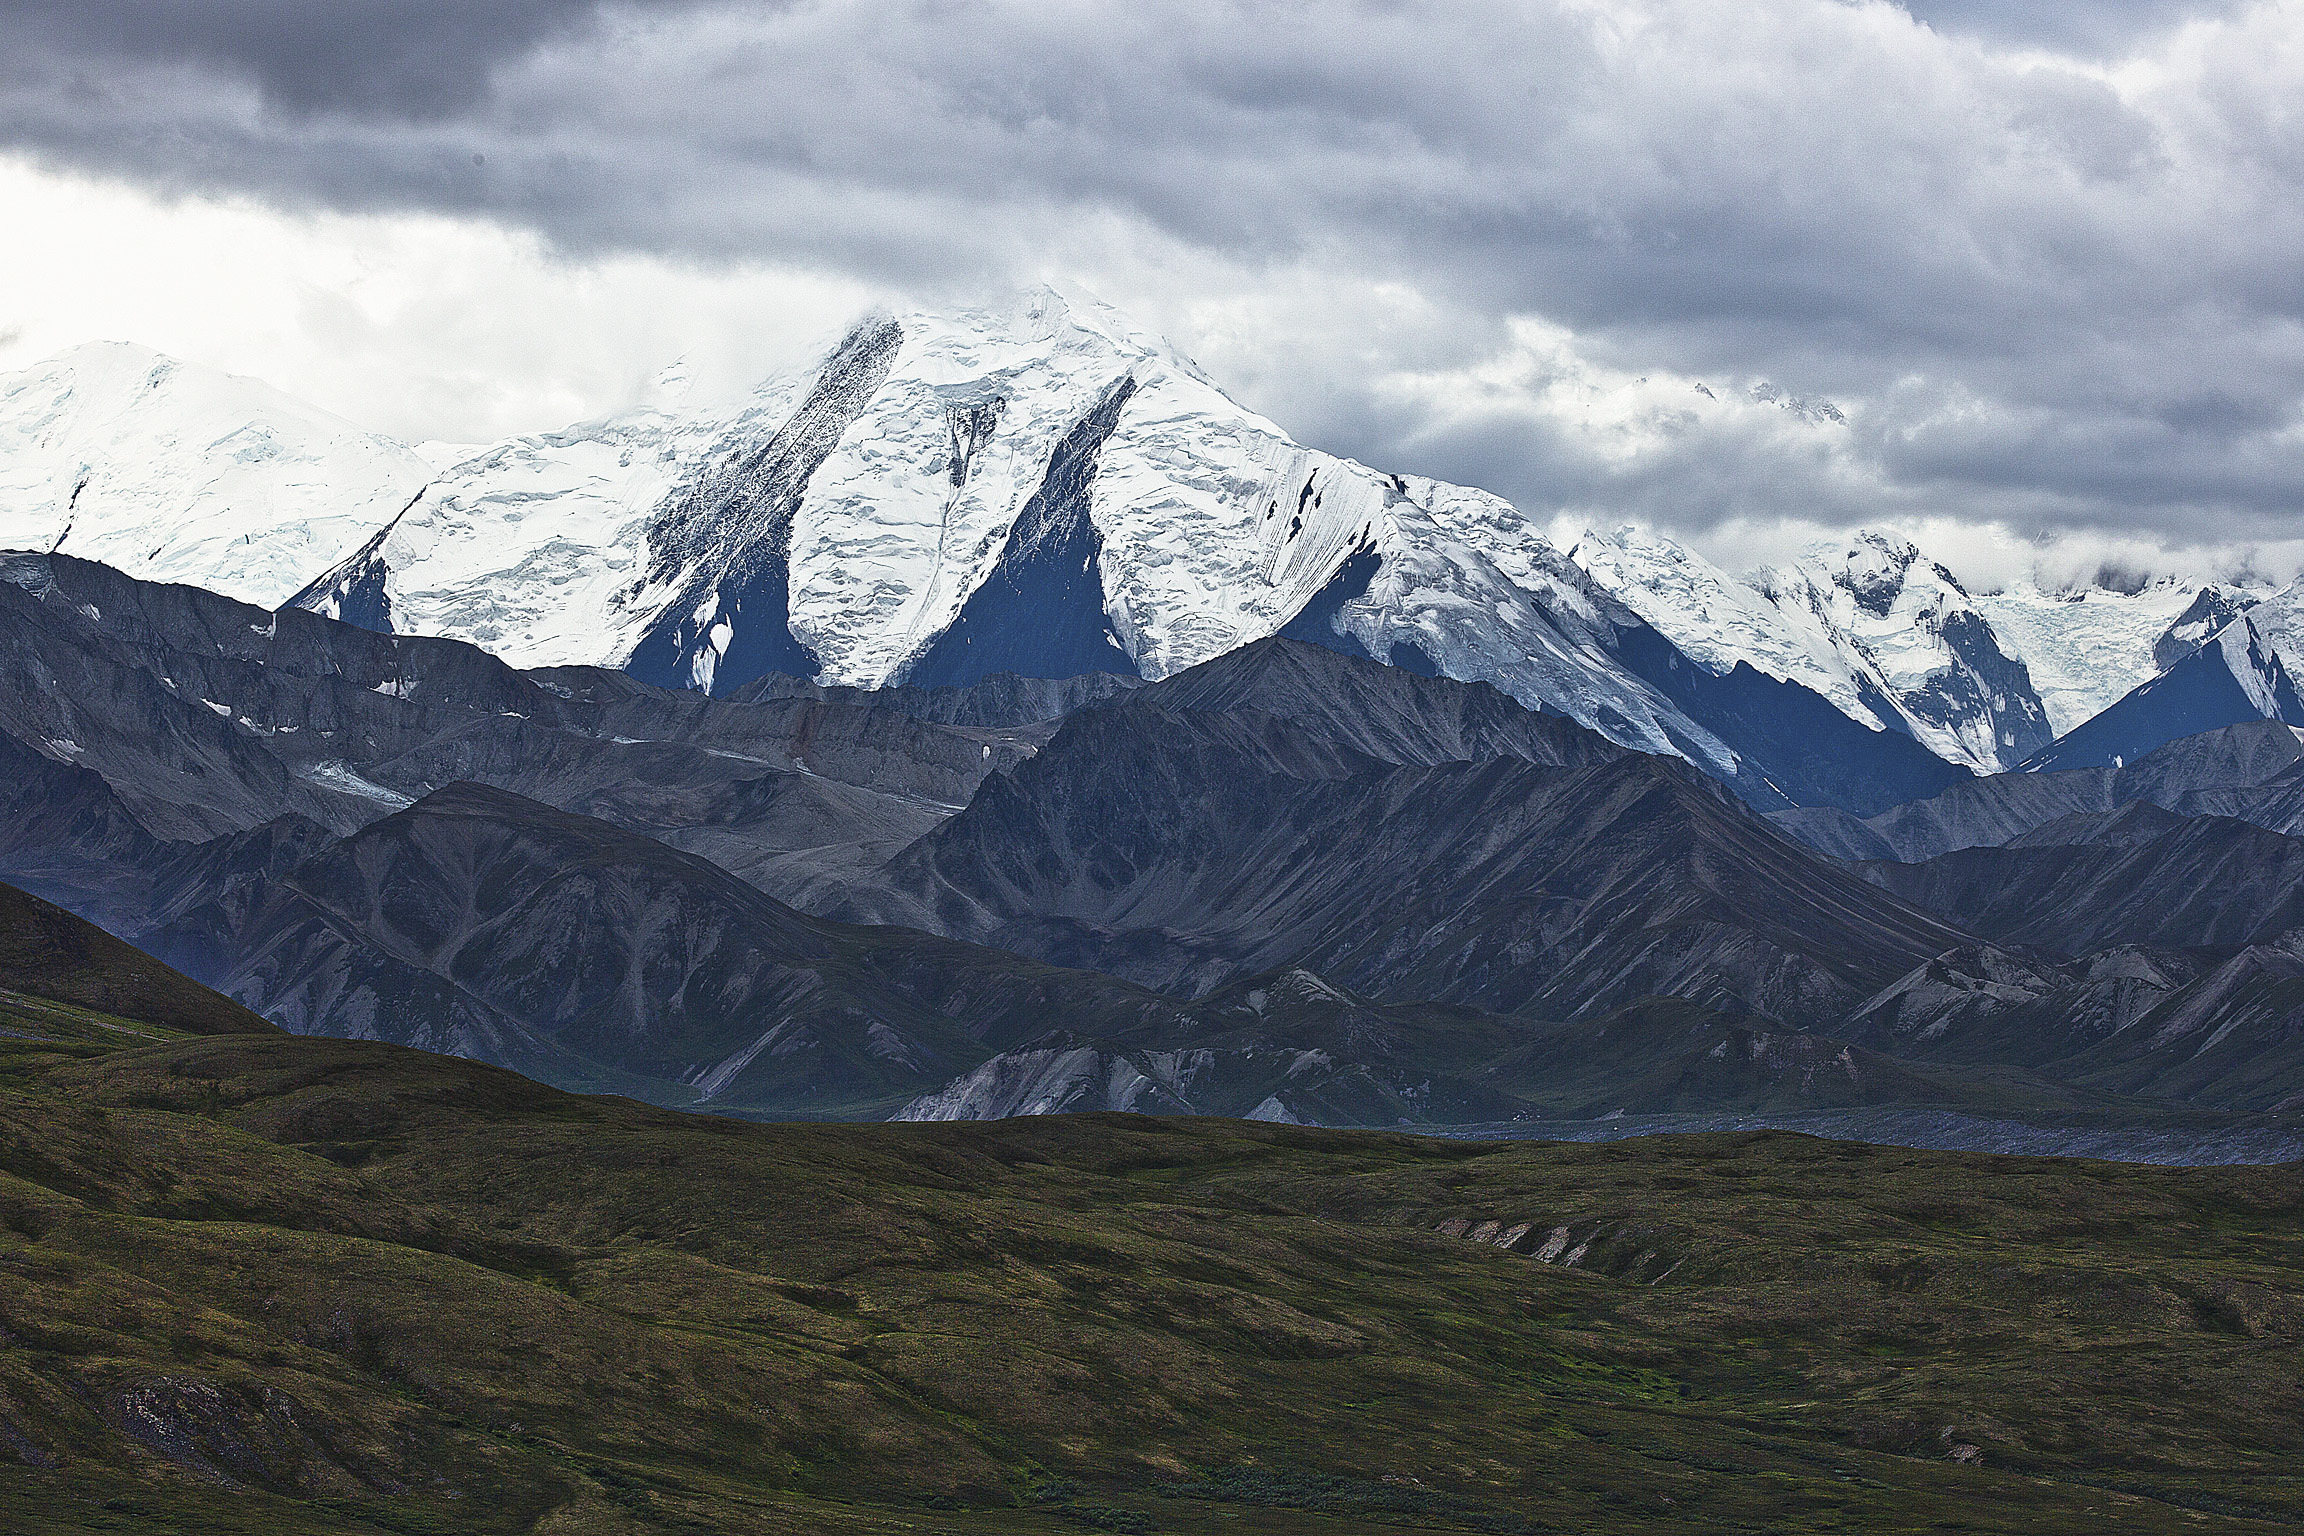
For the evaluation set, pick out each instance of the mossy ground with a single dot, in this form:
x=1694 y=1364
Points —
x=274 y=1285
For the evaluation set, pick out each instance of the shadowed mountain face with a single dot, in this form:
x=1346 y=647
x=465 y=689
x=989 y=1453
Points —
x=1185 y=850
x=1416 y=838
x=2236 y=677
x=1798 y=746
x=2252 y=772
x=1003 y=699
x=1385 y=713
x=1790 y=745
x=483 y=924
x=2140 y=875
x=2216 y=1028
x=1081 y=884
x=1040 y=609
x=2234 y=1037
x=194 y=717
x=1287 y=1047
x=1293 y=1049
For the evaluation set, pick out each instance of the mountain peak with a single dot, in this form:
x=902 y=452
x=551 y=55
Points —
x=2235 y=678
x=1054 y=316
x=1872 y=565
x=176 y=471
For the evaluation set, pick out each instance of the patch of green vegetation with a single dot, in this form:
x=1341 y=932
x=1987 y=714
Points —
x=1345 y=1495
x=278 y=1285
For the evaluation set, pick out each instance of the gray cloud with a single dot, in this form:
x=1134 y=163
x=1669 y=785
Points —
x=2099 y=26
x=394 y=58
x=2042 y=297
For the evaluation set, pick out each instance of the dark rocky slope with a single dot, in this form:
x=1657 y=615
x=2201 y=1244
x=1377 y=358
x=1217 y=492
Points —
x=482 y=924
x=2140 y=875
x=1185 y=850
x=203 y=717
x=2253 y=772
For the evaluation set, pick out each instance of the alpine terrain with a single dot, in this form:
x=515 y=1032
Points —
x=417 y=875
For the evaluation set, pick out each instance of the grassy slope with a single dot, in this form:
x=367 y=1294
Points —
x=46 y=951
x=293 y=1285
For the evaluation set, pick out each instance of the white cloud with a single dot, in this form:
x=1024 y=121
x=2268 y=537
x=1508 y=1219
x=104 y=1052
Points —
x=419 y=325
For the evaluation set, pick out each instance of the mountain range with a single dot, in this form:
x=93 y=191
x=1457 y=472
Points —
x=1044 y=488
x=989 y=716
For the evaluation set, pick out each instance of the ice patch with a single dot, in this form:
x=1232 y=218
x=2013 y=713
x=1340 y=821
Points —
x=1273 y=1112
x=709 y=1086
x=343 y=780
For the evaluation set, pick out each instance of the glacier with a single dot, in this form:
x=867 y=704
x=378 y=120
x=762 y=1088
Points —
x=170 y=471
x=2088 y=646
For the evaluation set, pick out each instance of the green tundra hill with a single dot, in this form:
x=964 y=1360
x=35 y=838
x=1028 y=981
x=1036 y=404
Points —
x=47 y=955
x=267 y=1284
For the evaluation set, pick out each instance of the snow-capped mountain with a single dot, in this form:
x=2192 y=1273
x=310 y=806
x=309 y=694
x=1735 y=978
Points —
x=174 y=472
x=1941 y=662
x=1042 y=489
x=1897 y=642
x=1890 y=637
x=1047 y=489
x=2088 y=646
x=2238 y=676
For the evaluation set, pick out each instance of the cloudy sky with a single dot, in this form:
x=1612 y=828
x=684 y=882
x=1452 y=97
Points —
x=1987 y=271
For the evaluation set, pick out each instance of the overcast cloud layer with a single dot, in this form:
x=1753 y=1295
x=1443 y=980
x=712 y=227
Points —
x=2032 y=265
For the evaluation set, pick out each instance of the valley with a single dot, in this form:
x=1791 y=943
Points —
x=652 y=1037
x=261 y=1283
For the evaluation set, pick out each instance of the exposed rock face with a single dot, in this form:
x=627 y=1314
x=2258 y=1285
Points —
x=238 y=1437
x=2206 y=1027
x=1186 y=850
x=1288 y=1049
x=1985 y=1004
x=720 y=547
x=1002 y=699
x=2252 y=772
x=1382 y=713
x=1625 y=1252
x=2210 y=611
x=2233 y=1037
x=1055 y=1077
x=187 y=763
